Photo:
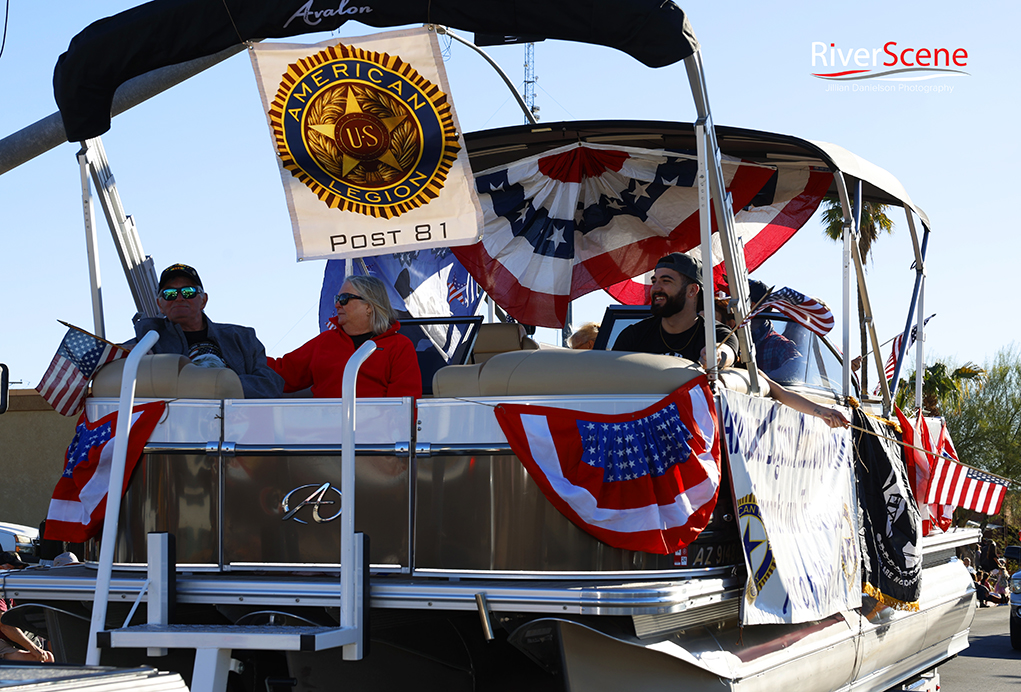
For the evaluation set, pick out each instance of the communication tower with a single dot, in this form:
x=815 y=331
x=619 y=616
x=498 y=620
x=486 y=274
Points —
x=530 y=80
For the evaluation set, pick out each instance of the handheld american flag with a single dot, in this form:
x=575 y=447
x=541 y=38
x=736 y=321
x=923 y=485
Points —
x=643 y=481
x=77 y=359
x=811 y=313
x=79 y=499
x=891 y=362
x=953 y=483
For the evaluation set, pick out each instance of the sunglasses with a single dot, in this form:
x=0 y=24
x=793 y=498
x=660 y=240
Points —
x=345 y=298
x=188 y=292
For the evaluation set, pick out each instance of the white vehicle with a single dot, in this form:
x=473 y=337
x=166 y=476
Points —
x=1013 y=552
x=21 y=539
x=473 y=578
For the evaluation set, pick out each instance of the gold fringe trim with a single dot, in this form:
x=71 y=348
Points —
x=889 y=601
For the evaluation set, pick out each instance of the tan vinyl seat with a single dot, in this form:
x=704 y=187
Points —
x=498 y=337
x=567 y=372
x=170 y=376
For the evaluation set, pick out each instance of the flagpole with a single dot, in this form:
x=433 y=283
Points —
x=97 y=338
x=748 y=317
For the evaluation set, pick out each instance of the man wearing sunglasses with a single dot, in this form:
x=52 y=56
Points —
x=186 y=330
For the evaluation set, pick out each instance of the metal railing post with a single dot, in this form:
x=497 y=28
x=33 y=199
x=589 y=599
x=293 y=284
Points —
x=350 y=564
x=113 y=495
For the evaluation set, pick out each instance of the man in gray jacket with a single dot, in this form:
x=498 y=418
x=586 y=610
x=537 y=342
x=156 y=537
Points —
x=186 y=330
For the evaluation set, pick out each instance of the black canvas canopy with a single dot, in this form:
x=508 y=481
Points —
x=166 y=32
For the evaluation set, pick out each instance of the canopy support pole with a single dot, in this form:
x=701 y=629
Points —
x=852 y=220
x=138 y=269
x=733 y=256
x=92 y=247
x=915 y=300
x=848 y=235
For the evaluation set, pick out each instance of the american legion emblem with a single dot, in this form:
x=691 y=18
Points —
x=364 y=131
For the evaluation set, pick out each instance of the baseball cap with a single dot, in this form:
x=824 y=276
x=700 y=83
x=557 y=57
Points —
x=756 y=290
x=683 y=265
x=180 y=270
x=65 y=559
x=11 y=558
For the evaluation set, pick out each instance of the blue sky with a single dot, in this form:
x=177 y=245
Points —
x=195 y=166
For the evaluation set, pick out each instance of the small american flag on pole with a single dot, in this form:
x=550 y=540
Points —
x=953 y=483
x=79 y=357
x=811 y=313
x=891 y=362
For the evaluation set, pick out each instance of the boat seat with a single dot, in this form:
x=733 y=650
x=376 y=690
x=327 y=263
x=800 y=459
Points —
x=499 y=337
x=169 y=376
x=567 y=372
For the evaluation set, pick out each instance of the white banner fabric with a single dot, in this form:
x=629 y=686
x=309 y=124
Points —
x=368 y=146
x=794 y=490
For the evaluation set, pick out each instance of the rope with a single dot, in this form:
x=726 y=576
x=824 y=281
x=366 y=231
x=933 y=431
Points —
x=231 y=17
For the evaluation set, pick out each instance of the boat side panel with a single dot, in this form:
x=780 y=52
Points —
x=255 y=532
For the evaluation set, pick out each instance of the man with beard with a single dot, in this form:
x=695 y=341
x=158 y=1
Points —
x=675 y=327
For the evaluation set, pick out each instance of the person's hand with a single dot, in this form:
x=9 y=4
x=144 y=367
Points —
x=831 y=416
x=42 y=655
x=721 y=358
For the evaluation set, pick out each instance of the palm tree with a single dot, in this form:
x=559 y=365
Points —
x=873 y=221
x=941 y=388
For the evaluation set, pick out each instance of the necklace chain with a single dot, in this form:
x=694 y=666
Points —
x=662 y=336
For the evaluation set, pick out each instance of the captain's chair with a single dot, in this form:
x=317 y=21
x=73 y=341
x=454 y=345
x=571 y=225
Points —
x=500 y=337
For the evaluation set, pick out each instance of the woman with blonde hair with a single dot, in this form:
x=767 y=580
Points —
x=363 y=313
x=585 y=336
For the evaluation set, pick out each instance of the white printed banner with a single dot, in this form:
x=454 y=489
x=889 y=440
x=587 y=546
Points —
x=797 y=511
x=369 y=148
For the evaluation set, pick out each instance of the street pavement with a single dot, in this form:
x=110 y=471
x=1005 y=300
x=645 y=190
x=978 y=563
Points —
x=989 y=664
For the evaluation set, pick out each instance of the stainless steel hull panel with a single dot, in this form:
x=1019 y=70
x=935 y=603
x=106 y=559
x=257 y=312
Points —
x=254 y=529
x=482 y=513
x=175 y=493
x=182 y=494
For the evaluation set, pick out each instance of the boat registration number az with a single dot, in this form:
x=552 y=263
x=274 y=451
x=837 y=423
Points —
x=708 y=555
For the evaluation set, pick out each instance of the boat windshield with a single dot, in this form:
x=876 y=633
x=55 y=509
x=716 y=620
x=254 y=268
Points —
x=794 y=356
x=786 y=351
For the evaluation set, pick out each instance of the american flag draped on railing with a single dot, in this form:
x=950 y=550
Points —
x=77 y=359
x=586 y=216
x=811 y=313
x=640 y=481
x=79 y=499
x=953 y=483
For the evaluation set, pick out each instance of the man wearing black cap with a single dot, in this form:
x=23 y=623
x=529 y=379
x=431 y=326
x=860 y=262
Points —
x=14 y=645
x=675 y=327
x=186 y=330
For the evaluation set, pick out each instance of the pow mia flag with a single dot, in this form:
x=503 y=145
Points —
x=891 y=525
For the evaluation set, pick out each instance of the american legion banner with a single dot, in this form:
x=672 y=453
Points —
x=369 y=148
x=795 y=499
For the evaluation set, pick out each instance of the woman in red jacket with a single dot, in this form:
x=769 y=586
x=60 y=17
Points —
x=363 y=313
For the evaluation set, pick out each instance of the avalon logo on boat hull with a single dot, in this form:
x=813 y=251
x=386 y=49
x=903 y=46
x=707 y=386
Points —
x=891 y=62
x=315 y=500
